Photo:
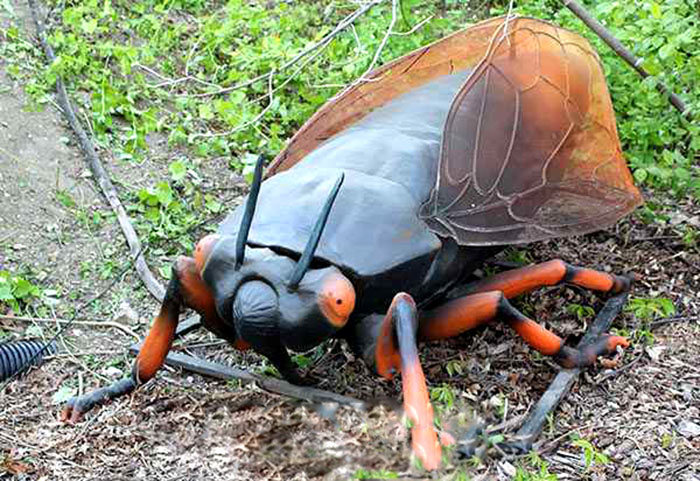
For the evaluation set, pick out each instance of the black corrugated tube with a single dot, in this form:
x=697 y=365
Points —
x=15 y=356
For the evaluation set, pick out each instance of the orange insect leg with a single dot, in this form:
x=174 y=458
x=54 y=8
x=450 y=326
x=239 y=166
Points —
x=399 y=327
x=519 y=281
x=459 y=316
x=160 y=336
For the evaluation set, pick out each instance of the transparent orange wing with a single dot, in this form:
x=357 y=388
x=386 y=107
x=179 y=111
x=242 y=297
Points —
x=530 y=147
x=459 y=51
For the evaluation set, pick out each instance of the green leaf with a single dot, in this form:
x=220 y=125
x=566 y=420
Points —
x=166 y=272
x=667 y=307
x=5 y=292
x=212 y=204
x=640 y=175
x=89 y=26
x=34 y=330
x=249 y=161
x=206 y=112
x=164 y=193
x=656 y=10
x=496 y=439
x=177 y=170
x=301 y=360
x=152 y=214
x=65 y=199
x=23 y=288
x=668 y=50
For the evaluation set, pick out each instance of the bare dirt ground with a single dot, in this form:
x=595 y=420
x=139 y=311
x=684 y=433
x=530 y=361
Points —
x=644 y=414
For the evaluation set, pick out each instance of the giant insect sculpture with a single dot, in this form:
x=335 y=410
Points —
x=393 y=193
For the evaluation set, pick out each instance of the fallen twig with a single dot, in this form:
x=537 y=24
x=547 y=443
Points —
x=653 y=238
x=98 y=171
x=97 y=323
x=14 y=440
x=85 y=353
x=201 y=345
x=169 y=82
x=277 y=386
x=673 y=320
x=65 y=326
x=563 y=381
x=626 y=55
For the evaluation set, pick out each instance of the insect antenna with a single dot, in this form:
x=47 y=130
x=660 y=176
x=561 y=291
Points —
x=303 y=264
x=248 y=214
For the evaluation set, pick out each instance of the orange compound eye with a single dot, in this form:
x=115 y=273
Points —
x=203 y=249
x=337 y=299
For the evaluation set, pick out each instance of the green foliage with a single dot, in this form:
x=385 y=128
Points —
x=454 y=367
x=519 y=256
x=541 y=472
x=590 y=453
x=582 y=313
x=382 y=474
x=690 y=237
x=495 y=440
x=550 y=423
x=63 y=394
x=645 y=310
x=667 y=440
x=443 y=397
x=170 y=210
x=16 y=292
x=268 y=369
x=649 y=308
x=307 y=359
x=65 y=199
x=150 y=71
x=460 y=475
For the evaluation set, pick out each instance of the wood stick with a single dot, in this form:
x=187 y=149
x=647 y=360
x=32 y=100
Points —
x=144 y=272
x=101 y=352
x=277 y=386
x=100 y=323
x=563 y=381
x=190 y=324
x=627 y=56
x=672 y=320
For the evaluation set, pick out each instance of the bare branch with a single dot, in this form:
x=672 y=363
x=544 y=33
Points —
x=415 y=28
x=385 y=39
x=345 y=23
x=506 y=24
x=627 y=56
x=100 y=174
x=245 y=124
x=277 y=386
x=170 y=82
x=98 y=323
